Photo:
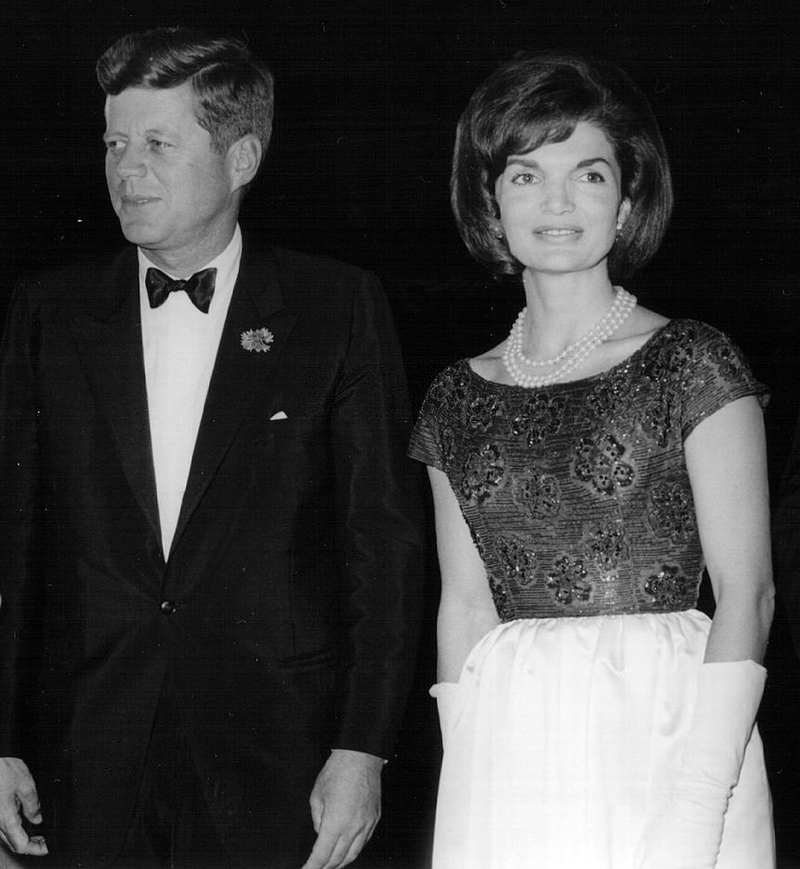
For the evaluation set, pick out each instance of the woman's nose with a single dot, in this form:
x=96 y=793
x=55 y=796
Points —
x=558 y=198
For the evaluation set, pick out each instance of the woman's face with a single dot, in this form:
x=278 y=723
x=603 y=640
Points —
x=560 y=204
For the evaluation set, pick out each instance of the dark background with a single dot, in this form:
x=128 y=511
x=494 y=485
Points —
x=368 y=94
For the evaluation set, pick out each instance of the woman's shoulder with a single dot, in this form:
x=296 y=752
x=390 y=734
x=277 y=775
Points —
x=643 y=322
x=454 y=371
x=694 y=335
x=454 y=376
x=678 y=346
x=704 y=361
x=489 y=365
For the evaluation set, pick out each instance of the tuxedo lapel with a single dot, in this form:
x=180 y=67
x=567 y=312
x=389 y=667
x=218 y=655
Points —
x=241 y=376
x=109 y=343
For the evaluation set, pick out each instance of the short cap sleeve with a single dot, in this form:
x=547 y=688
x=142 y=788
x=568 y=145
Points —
x=717 y=373
x=427 y=438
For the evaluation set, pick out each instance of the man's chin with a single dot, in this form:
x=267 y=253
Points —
x=139 y=235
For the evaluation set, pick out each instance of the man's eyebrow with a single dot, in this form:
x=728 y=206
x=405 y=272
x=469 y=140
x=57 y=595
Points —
x=150 y=131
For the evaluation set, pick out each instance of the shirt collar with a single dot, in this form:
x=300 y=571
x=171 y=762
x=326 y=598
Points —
x=226 y=263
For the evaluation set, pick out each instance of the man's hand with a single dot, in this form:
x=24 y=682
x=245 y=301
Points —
x=345 y=807
x=18 y=794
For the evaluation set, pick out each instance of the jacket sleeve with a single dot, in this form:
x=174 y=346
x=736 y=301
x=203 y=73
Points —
x=379 y=527
x=18 y=483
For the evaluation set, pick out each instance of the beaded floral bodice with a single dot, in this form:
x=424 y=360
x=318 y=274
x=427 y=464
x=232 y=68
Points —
x=577 y=494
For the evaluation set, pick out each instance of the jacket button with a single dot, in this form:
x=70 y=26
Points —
x=168 y=607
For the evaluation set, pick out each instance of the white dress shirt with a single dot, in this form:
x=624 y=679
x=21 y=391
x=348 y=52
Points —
x=180 y=347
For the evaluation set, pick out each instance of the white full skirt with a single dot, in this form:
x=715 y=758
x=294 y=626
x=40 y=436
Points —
x=562 y=737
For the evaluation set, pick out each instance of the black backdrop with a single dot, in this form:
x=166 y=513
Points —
x=368 y=94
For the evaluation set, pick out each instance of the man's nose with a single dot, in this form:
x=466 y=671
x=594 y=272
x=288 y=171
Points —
x=130 y=163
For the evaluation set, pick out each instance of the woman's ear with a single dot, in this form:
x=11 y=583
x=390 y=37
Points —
x=623 y=212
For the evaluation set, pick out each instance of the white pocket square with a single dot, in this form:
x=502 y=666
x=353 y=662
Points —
x=279 y=415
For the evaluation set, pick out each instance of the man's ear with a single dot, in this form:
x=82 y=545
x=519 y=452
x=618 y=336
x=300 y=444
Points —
x=244 y=158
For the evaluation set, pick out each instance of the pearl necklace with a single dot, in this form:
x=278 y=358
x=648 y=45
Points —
x=514 y=357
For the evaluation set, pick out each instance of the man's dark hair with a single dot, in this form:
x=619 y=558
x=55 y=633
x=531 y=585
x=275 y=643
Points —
x=533 y=100
x=233 y=91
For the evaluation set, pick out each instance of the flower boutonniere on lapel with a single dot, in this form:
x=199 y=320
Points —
x=257 y=340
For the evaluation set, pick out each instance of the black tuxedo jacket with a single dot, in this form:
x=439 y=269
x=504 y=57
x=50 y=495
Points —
x=282 y=623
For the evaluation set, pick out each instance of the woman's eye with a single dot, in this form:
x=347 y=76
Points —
x=594 y=177
x=523 y=178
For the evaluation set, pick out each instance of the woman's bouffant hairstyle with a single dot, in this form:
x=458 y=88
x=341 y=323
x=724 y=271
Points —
x=533 y=100
x=233 y=91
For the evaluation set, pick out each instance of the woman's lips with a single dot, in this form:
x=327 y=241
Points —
x=558 y=233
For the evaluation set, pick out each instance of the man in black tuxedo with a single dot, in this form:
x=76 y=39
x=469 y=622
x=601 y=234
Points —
x=209 y=540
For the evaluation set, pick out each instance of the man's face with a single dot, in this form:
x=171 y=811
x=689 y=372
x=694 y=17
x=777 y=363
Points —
x=174 y=196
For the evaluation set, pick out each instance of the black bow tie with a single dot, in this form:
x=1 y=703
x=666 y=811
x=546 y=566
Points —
x=199 y=287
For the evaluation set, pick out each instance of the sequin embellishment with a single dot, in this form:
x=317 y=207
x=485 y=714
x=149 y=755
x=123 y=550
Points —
x=568 y=582
x=670 y=589
x=726 y=358
x=606 y=546
x=484 y=410
x=671 y=512
x=537 y=493
x=539 y=418
x=482 y=472
x=518 y=561
x=600 y=464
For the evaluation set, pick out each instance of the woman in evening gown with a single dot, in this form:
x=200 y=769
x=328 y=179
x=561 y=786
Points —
x=584 y=473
